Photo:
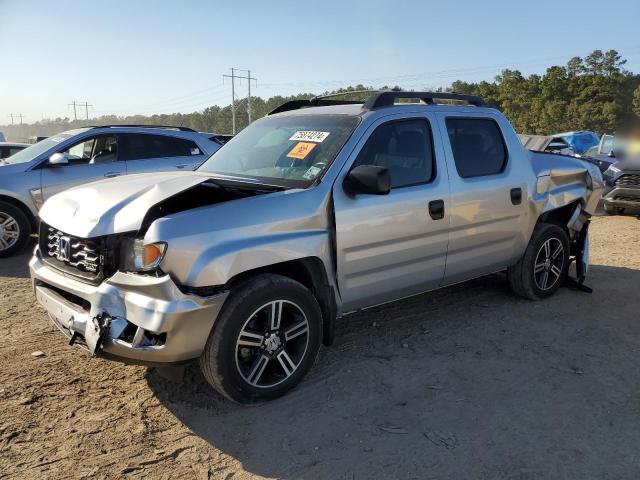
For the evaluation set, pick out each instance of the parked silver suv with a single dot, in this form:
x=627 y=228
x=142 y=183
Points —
x=84 y=155
x=306 y=215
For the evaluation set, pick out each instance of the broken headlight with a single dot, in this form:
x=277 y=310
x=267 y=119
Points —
x=136 y=256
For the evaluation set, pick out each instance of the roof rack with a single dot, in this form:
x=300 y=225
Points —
x=388 y=98
x=312 y=102
x=379 y=99
x=167 y=127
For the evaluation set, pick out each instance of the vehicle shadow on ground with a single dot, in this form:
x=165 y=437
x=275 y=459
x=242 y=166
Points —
x=18 y=265
x=468 y=381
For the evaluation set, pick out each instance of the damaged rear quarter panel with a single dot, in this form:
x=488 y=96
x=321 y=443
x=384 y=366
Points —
x=210 y=245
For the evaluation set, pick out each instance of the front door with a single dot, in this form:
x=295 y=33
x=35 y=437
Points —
x=93 y=158
x=391 y=246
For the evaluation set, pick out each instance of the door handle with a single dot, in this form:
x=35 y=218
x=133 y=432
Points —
x=112 y=174
x=183 y=165
x=436 y=209
x=516 y=196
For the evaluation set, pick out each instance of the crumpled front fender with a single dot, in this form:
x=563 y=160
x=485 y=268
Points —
x=562 y=180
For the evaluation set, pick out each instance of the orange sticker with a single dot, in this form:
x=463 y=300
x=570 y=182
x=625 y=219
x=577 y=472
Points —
x=301 y=150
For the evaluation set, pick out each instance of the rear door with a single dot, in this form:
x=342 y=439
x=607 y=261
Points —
x=390 y=246
x=145 y=152
x=90 y=159
x=488 y=195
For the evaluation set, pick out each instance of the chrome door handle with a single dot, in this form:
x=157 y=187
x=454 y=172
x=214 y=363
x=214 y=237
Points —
x=112 y=174
x=183 y=165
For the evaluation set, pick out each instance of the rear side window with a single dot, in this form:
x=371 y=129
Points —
x=404 y=148
x=477 y=145
x=141 y=146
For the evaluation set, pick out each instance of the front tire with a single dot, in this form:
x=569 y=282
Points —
x=264 y=341
x=14 y=229
x=544 y=266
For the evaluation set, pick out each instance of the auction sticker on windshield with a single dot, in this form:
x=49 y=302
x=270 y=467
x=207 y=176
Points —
x=301 y=150
x=309 y=136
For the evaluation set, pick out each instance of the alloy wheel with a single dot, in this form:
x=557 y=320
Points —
x=549 y=264
x=9 y=231
x=272 y=344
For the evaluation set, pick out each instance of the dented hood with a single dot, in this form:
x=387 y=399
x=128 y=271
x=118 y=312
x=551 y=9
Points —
x=116 y=205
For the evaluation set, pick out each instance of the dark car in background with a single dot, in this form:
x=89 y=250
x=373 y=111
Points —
x=622 y=186
x=9 y=148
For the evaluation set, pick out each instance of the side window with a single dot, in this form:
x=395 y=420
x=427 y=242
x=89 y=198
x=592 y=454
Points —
x=80 y=152
x=92 y=151
x=140 y=146
x=405 y=148
x=477 y=145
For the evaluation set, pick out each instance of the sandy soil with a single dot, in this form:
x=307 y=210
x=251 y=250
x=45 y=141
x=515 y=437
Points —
x=468 y=382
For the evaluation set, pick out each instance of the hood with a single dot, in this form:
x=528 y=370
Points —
x=115 y=205
x=629 y=165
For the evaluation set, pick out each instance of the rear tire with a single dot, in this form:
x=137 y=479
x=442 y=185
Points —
x=610 y=210
x=544 y=266
x=264 y=341
x=15 y=229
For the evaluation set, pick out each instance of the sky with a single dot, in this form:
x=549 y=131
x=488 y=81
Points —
x=142 y=56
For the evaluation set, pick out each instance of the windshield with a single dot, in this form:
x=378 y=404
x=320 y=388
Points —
x=36 y=149
x=607 y=144
x=290 y=151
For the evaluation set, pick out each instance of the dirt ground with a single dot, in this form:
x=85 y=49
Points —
x=468 y=382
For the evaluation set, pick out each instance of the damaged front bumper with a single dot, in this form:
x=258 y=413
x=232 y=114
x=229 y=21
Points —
x=130 y=317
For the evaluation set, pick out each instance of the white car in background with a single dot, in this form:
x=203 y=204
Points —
x=34 y=174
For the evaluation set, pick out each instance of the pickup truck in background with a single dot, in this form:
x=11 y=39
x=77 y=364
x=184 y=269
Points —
x=322 y=208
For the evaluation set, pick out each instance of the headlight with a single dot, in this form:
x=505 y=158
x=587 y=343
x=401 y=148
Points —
x=140 y=257
x=613 y=169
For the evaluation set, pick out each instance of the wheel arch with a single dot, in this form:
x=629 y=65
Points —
x=559 y=216
x=310 y=272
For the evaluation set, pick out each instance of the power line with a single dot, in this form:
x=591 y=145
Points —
x=233 y=77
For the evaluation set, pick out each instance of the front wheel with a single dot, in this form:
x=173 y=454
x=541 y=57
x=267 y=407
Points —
x=264 y=341
x=14 y=229
x=544 y=266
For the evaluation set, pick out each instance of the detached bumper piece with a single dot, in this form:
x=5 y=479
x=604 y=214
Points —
x=130 y=317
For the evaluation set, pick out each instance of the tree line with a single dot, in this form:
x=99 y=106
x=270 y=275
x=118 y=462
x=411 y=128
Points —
x=591 y=93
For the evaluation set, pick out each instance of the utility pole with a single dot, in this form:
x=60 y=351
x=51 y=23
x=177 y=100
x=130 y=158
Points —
x=15 y=115
x=86 y=109
x=233 y=98
x=75 y=114
x=233 y=77
x=84 y=104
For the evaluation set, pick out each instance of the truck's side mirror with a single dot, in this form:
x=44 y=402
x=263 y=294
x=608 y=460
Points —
x=58 y=159
x=369 y=179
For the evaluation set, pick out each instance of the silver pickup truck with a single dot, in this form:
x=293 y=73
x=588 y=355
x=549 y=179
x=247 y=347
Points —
x=322 y=208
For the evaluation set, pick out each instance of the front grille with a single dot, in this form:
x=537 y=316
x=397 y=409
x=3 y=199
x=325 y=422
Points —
x=89 y=259
x=77 y=253
x=628 y=180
